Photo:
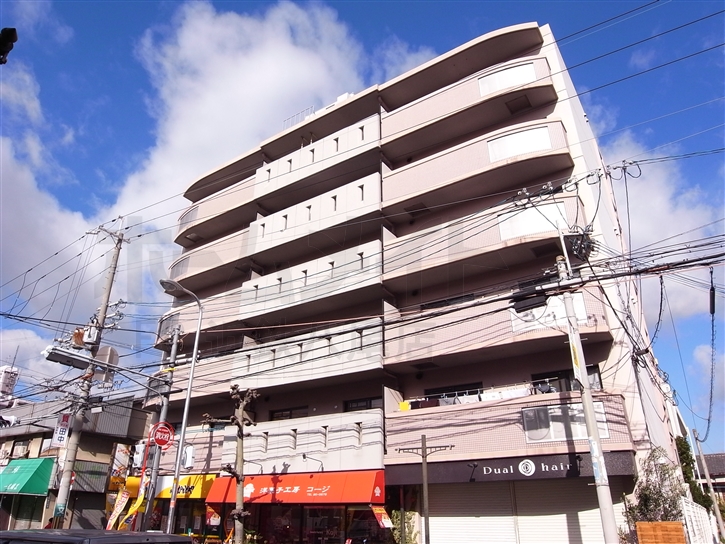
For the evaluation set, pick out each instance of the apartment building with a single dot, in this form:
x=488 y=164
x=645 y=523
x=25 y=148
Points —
x=364 y=271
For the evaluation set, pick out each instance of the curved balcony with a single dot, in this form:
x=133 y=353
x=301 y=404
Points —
x=323 y=222
x=478 y=243
x=328 y=354
x=478 y=54
x=483 y=100
x=331 y=283
x=217 y=214
x=481 y=331
x=503 y=160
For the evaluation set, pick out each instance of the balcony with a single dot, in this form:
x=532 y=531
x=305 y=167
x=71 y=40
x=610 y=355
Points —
x=331 y=283
x=217 y=214
x=331 y=442
x=319 y=166
x=527 y=425
x=479 y=331
x=483 y=100
x=480 y=53
x=326 y=221
x=331 y=354
x=507 y=159
x=478 y=242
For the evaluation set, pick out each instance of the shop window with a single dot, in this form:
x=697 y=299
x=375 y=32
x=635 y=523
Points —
x=288 y=413
x=363 y=404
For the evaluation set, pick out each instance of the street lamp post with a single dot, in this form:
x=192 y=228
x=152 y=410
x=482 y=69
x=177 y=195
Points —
x=171 y=287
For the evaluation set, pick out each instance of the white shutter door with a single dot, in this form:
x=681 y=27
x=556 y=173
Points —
x=556 y=511
x=471 y=513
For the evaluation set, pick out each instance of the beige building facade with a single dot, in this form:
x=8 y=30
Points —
x=364 y=269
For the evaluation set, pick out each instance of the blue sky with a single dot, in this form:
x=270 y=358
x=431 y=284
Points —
x=113 y=108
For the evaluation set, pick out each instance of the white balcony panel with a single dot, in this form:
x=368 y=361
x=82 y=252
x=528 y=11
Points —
x=333 y=274
x=551 y=316
x=317 y=156
x=462 y=95
x=475 y=327
x=473 y=158
x=508 y=77
x=341 y=441
x=477 y=233
x=316 y=214
x=337 y=351
x=519 y=143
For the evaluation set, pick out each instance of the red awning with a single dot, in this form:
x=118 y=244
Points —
x=355 y=487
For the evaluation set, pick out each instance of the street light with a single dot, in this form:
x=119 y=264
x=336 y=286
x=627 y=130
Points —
x=171 y=287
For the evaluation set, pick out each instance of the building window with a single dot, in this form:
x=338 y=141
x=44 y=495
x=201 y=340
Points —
x=337 y=144
x=312 y=155
x=363 y=404
x=561 y=422
x=288 y=413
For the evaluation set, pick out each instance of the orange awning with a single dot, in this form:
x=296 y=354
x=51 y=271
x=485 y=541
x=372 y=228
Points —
x=355 y=487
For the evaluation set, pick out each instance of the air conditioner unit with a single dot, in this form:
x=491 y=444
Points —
x=19 y=451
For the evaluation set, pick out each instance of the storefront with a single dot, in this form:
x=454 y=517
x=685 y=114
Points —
x=190 y=507
x=309 y=508
x=23 y=492
x=544 y=499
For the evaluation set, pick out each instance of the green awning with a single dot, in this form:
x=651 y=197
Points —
x=26 y=476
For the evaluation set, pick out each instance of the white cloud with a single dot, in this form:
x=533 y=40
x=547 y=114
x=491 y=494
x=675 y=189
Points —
x=223 y=82
x=19 y=95
x=395 y=57
x=642 y=59
x=664 y=209
x=37 y=17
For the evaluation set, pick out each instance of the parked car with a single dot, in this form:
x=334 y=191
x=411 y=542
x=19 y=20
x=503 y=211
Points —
x=88 y=536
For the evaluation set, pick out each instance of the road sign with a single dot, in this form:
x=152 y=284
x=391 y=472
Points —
x=162 y=434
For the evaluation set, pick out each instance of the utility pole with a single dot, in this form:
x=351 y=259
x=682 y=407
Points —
x=240 y=419
x=715 y=507
x=61 y=502
x=601 y=480
x=163 y=413
x=424 y=451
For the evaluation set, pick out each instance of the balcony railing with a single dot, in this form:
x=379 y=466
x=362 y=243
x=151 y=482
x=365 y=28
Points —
x=484 y=99
x=480 y=233
x=477 y=326
x=525 y=425
x=336 y=351
x=331 y=442
x=505 y=158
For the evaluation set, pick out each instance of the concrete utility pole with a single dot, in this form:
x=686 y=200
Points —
x=240 y=419
x=61 y=502
x=424 y=451
x=718 y=516
x=163 y=413
x=601 y=480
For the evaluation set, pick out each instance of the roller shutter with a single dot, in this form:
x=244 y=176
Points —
x=471 y=513
x=556 y=511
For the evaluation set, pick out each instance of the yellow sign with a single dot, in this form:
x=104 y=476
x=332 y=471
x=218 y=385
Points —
x=194 y=486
